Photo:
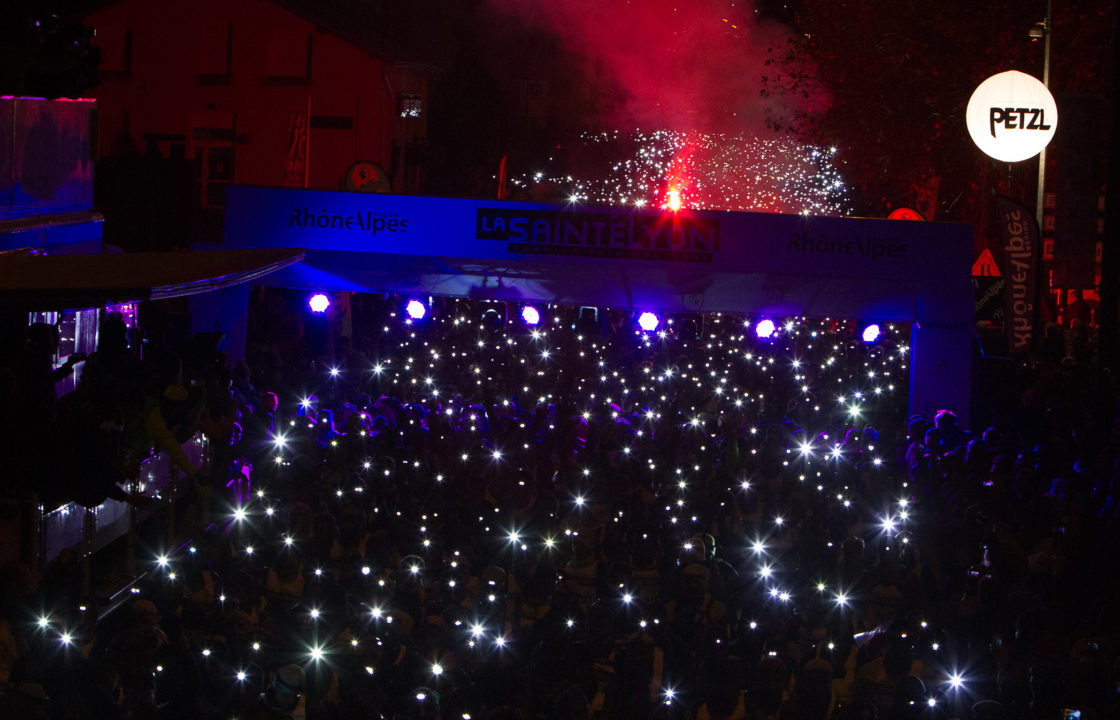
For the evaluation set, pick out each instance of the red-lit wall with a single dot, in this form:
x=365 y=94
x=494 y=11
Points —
x=221 y=81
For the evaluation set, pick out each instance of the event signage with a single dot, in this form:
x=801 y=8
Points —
x=449 y=227
x=1011 y=116
x=643 y=236
x=1019 y=233
x=638 y=258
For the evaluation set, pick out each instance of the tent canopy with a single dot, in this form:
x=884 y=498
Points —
x=55 y=282
x=680 y=289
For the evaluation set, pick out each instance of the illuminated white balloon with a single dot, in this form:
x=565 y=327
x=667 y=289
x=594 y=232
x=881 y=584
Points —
x=1011 y=116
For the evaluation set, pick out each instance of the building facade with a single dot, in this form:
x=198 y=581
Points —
x=255 y=92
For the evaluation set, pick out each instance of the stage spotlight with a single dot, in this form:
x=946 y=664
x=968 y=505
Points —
x=416 y=309
x=871 y=333
x=648 y=321
x=318 y=303
x=765 y=329
x=530 y=315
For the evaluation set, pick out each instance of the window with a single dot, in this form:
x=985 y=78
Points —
x=212 y=148
x=412 y=106
x=115 y=44
x=215 y=45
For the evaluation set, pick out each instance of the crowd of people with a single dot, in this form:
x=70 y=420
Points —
x=459 y=514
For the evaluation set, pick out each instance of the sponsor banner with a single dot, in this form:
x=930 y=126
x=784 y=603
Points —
x=699 y=261
x=661 y=236
x=1019 y=234
x=1011 y=116
x=447 y=227
x=989 y=299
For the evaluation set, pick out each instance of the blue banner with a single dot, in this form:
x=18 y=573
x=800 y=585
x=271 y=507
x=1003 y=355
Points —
x=690 y=261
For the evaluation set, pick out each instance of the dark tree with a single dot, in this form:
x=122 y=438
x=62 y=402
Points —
x=44 y=50
x=900 y=76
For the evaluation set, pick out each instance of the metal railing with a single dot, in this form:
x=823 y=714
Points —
x=35 y=536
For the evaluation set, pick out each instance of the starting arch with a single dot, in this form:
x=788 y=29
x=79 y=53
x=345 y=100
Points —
x=684 y=261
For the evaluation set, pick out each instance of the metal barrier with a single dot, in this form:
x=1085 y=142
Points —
x=35 y=537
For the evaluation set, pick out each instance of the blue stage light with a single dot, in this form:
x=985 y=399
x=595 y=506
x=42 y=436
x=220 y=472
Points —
x=648 y=321
x=318 y=303
x=416 y=309
x=530 y=315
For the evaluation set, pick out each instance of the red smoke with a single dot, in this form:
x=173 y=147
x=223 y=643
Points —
x=682 y=64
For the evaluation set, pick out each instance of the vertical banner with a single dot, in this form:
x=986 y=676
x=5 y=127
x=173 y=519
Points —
x=295 y=161
x=1018 y=232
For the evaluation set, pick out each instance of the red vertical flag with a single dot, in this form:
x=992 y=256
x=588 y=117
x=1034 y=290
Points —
x=503 y=190
x=295 y=161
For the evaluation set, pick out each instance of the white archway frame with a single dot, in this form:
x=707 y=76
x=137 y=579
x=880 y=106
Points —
x=688 y=261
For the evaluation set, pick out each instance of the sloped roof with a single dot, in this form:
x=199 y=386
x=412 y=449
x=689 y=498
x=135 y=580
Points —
x=386 y=30
x=383 y=30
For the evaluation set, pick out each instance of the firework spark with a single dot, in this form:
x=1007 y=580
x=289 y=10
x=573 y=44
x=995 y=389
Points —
x=703 y=171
